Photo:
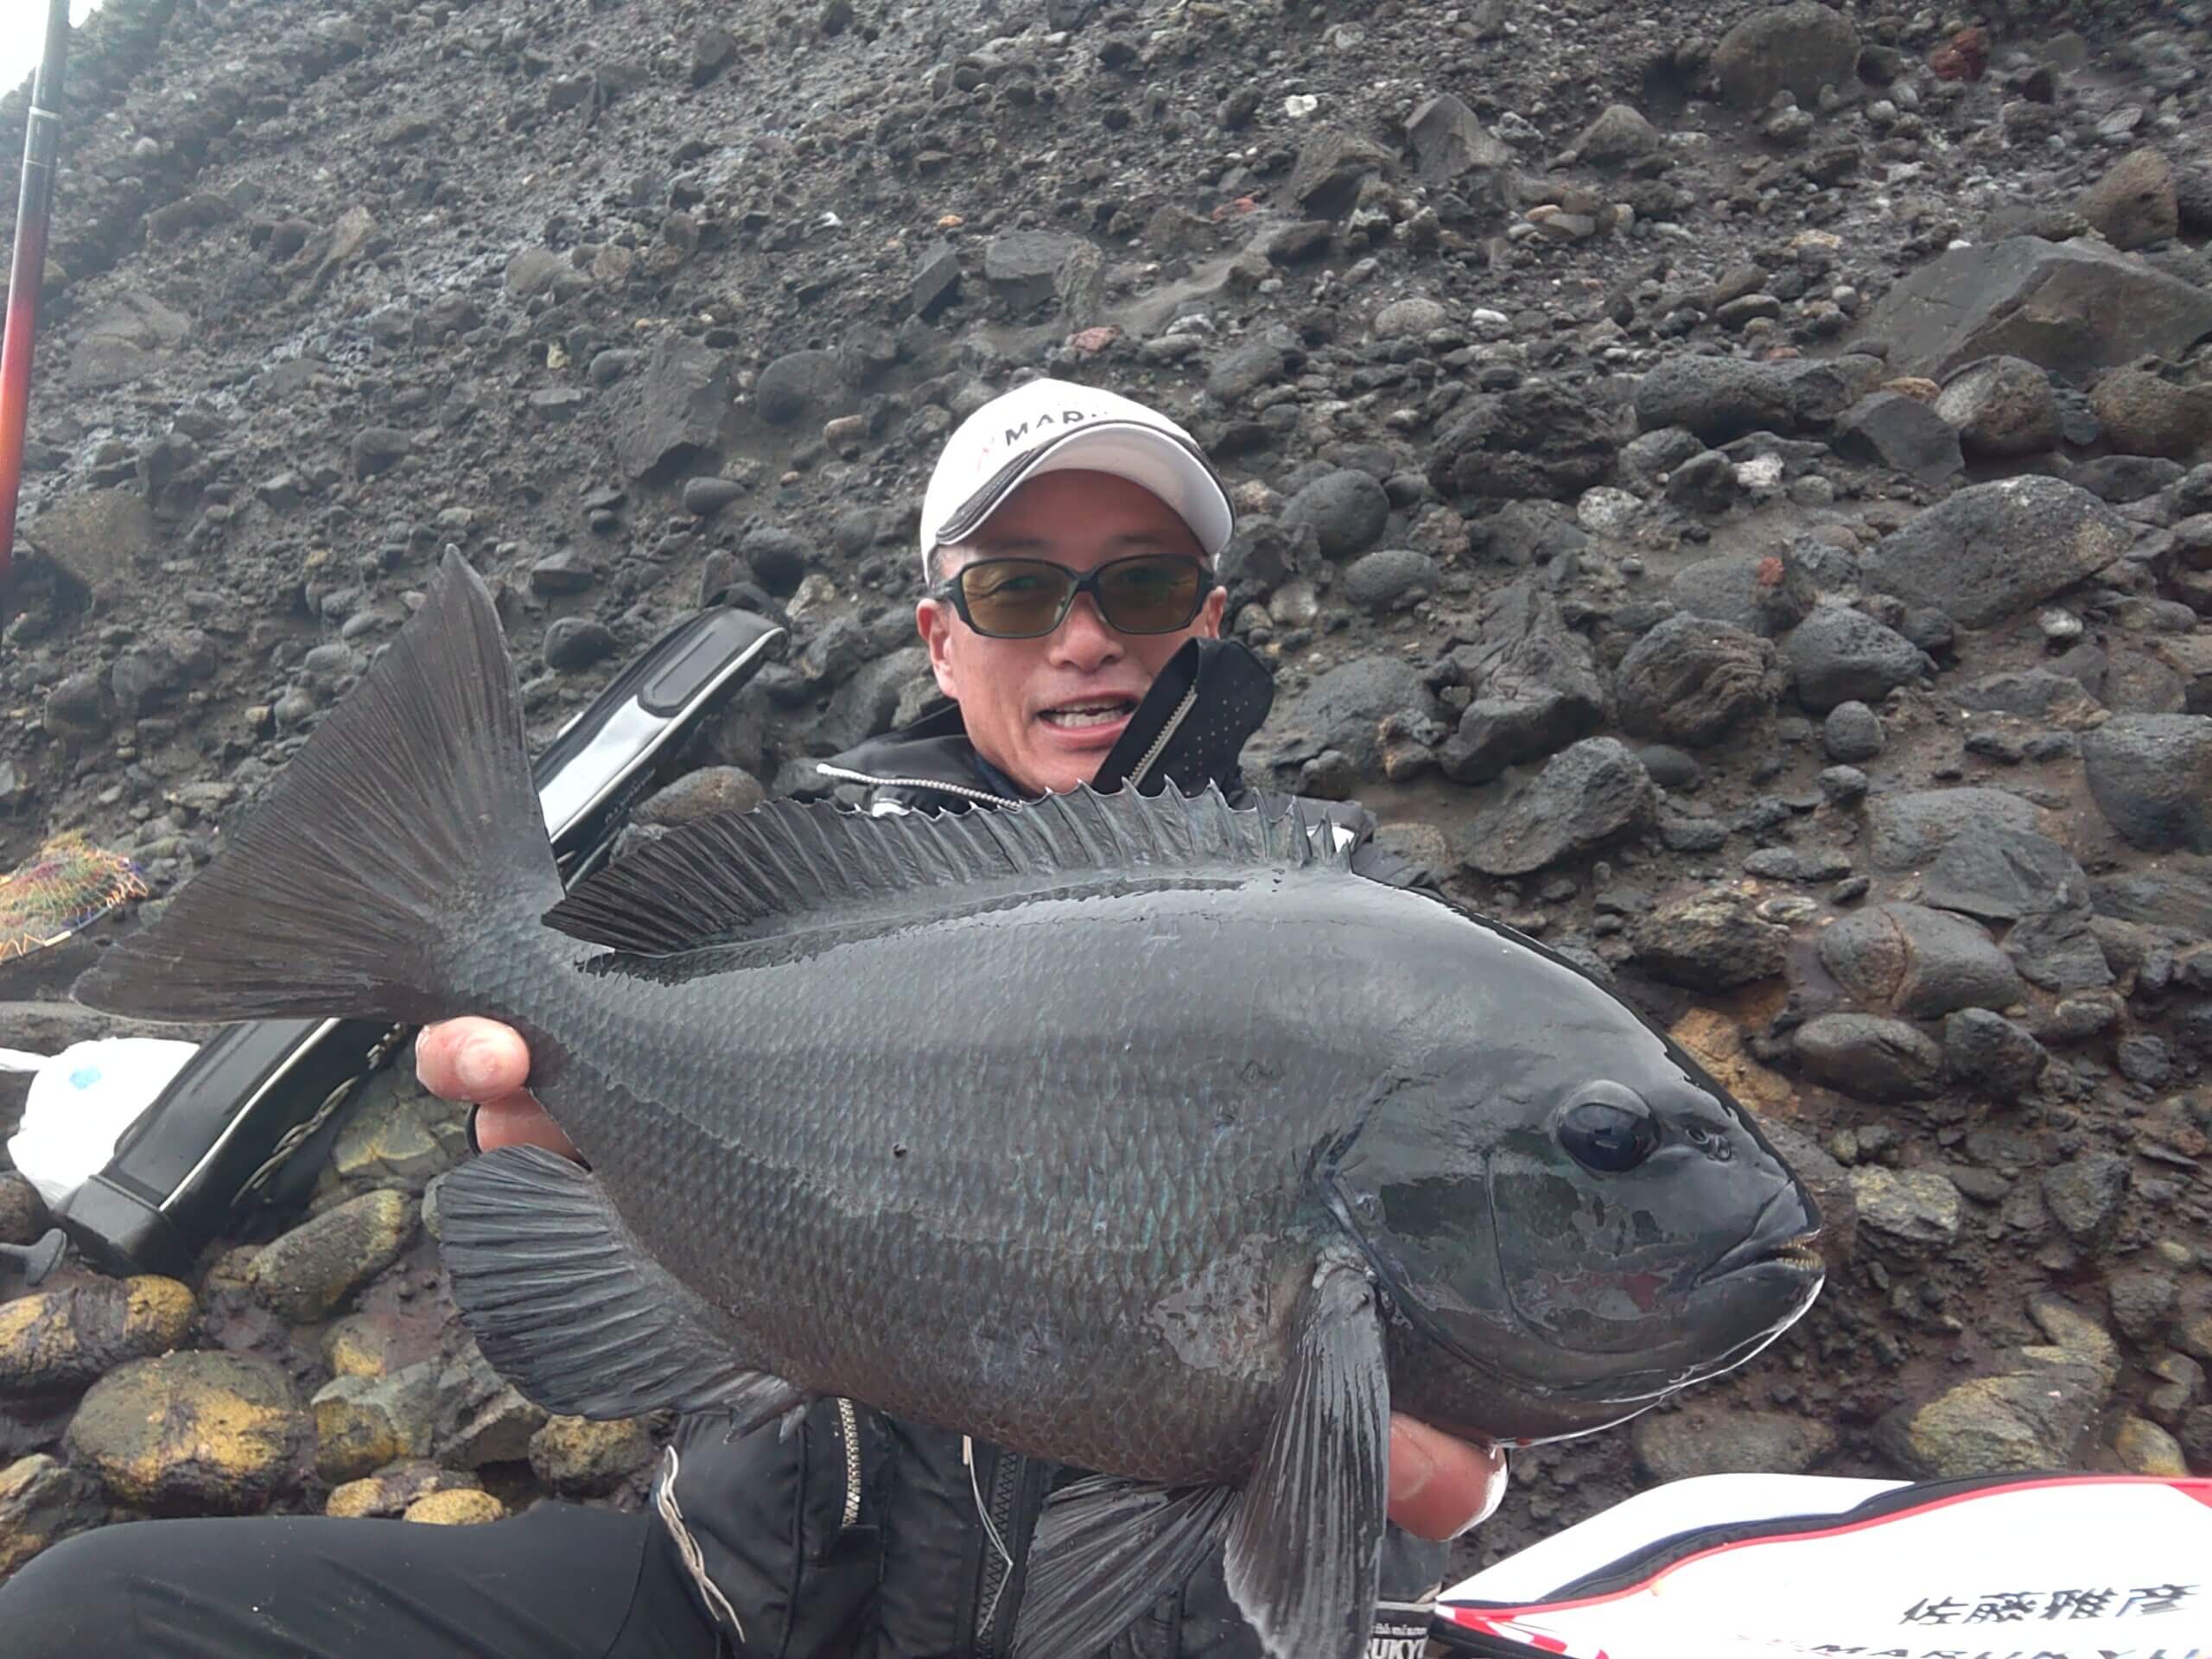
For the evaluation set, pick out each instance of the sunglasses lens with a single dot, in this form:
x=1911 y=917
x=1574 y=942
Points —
x=1150 y=595
x=1014 y=597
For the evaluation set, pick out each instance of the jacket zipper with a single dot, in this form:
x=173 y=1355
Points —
x=997 y=1569
x=848 y=1430
x=846 y=775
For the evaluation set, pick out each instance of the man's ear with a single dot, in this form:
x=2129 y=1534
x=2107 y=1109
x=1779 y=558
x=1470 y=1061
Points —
x=1210 y=613
x=934 y=620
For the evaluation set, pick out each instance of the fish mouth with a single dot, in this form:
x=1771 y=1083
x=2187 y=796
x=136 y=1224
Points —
x=1777 y=1240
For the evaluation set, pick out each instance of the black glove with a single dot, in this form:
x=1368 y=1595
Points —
x=1192 y=725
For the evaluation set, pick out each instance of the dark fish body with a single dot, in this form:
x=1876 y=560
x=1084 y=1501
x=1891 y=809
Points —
x=1141 y=1136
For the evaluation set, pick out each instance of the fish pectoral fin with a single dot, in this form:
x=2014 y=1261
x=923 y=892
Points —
x=1307 y=1535
x=568 y=1306
x=1105 y=1550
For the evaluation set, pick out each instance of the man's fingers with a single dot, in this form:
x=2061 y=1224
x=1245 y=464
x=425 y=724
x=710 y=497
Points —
x=470 y=1060
x=1440 y=1487
x=519 y=1121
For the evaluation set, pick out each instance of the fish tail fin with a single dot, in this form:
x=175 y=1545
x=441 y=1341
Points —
x=406 y=829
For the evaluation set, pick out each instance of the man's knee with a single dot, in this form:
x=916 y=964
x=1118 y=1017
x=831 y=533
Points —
x=63 y=1600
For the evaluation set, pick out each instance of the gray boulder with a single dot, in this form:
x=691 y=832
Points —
x=1991 y=549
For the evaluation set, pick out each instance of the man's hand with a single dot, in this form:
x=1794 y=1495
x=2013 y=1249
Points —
x=481 y=1060
x=1440 y=1487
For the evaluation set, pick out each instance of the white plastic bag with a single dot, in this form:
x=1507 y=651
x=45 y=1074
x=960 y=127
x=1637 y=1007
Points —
x=81 y=1101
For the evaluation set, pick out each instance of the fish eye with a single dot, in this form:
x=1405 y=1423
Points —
x=1608 y=1129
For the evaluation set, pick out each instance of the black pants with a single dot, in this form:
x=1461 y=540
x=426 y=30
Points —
x=559 y=1582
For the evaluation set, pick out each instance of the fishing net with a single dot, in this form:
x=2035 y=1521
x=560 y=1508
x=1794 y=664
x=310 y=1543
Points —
x=64 y=885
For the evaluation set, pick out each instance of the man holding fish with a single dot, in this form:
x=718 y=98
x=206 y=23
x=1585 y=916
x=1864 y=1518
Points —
x=1130 y=1130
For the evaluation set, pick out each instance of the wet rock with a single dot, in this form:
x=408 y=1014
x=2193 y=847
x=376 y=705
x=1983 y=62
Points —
x=1918 y=962
x=363 y=1423
x=798 y=385
x=1332 y=166
x=1695 y=682
x=1701 y=1437
x=671 y=411
x=2003 y=874
x=480 y=1417
x=1985 y=1049
x=23 y=1218
x=192 y=1434
x=378 y=449
x=576 y=642
x=2135 y=203
x=41 y=1503
x=2035 y=1413
x=1619 y=134
x=2075 y=309
x=1716 y=1042
x=1710 y=941
x=1767 y=596
x=2144 y=414
x=1027 y=268
x=936 y=280
x=1411 y=318
x=389 y=1493
x=1890 y=430
x=314 y=1269
x=1842 y=655
x=458 y=1507
x=2141 y=1301
x=1869 y=1058
x=59 y=1340
x=1536 y=688
x=1796 y=48
x=1992 y=550
x=1451 y=145
x=1244 y=369
x=1389 y=578
x=2003 y=407
x=96 y=536
x=398 y=1137
x=702 y=793
x=2058 y=950
x=1910 y=1211
x=1345 y=509
x=578 y=1457
x=1717 y=398
x=1535 y=442
x=2036 y=694
x=705 y=496
x=2084 y=1193
x=1346 y=707
x=1586 y=795
x=1852 y=732
x=2150 y=775
x=2143 y=1448
x=2160 y=898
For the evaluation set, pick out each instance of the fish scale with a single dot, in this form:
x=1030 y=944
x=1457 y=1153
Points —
x=1044 y=1188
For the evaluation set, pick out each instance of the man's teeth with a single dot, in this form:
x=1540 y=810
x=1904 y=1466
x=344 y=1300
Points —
x=1088 y=714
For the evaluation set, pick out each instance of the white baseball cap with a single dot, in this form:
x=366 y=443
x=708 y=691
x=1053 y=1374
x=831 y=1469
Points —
x=1051 y=426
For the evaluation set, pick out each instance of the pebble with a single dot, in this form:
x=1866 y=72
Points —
x=314 y=1269
x=1915 y=1212
x=191 y=1433
x=1708 y=941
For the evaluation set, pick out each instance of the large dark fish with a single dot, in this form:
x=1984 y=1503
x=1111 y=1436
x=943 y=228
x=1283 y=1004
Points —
x=1139 y=1135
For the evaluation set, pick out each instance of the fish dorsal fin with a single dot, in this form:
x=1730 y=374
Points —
x=736 y=876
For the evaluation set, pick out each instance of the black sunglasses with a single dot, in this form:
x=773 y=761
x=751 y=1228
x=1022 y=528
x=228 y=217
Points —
x=1026 y=598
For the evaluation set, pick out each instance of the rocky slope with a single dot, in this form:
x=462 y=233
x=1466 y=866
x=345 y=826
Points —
x=1731 y=484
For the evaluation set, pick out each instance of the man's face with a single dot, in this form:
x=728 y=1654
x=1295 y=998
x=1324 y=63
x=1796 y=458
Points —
x=1047 y=711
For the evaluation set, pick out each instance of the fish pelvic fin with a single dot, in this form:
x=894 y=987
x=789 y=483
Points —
x=568 y=1306
x=1305 y=1547
x=783 y=866
x=1301 y=1543
x=408 y=822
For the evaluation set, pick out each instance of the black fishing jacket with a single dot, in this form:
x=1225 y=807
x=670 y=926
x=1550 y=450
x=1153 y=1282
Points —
x=862 y=1536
